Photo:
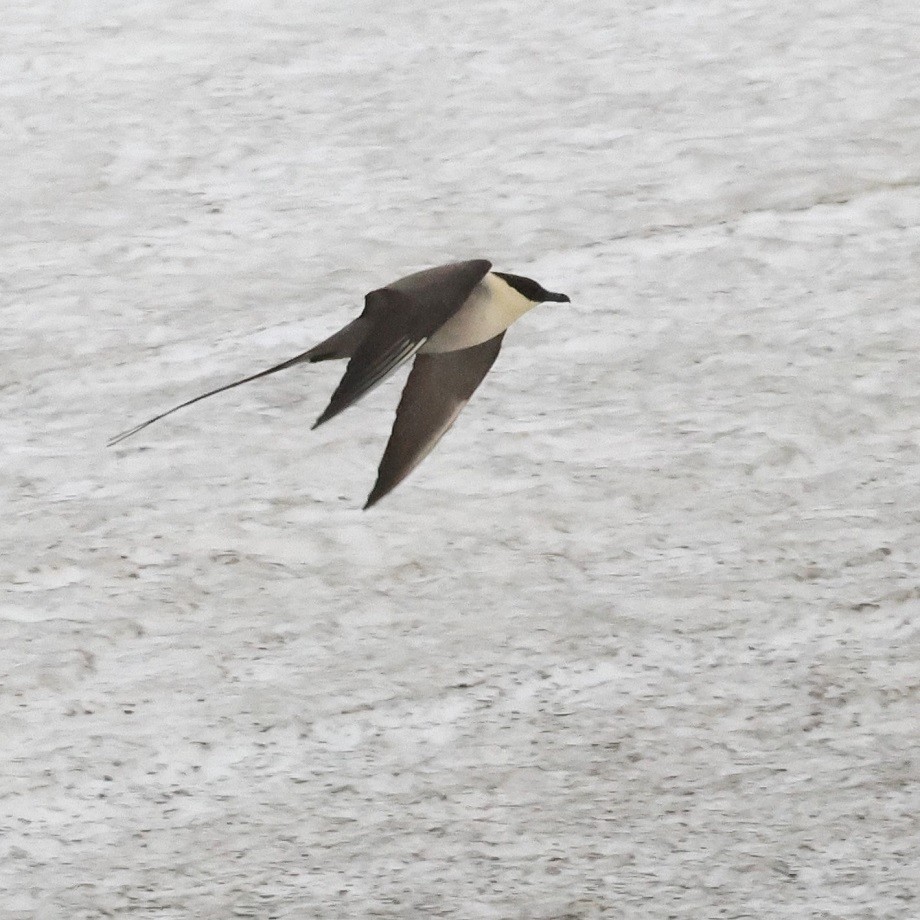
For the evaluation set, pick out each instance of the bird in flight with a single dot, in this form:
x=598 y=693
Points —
x=451 y=319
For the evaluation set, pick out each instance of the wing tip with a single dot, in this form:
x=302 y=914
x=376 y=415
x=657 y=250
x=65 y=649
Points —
x=373 y=498
x=330 y=412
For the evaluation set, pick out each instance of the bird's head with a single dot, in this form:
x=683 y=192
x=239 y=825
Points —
x=530 y=289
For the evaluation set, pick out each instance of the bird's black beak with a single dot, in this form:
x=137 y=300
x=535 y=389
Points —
x=557 y=298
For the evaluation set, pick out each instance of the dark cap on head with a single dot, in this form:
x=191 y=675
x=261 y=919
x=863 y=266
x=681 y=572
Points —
x=531 y=289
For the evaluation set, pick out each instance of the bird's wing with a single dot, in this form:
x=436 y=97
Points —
x=402 y=316
x=439 y=386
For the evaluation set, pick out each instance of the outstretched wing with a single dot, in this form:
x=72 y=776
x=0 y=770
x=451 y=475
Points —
x=402 y=316
x=439 y=386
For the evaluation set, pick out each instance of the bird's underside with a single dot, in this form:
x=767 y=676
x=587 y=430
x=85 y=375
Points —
x=396 y=323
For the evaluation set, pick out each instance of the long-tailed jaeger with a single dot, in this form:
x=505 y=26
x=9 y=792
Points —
x=451 y=319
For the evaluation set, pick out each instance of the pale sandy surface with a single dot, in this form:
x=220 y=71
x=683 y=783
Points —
x=640 y=640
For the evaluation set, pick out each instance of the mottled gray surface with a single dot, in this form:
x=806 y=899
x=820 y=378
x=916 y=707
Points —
x=639 y=640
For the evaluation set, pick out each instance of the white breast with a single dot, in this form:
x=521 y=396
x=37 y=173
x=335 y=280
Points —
x=492 y=307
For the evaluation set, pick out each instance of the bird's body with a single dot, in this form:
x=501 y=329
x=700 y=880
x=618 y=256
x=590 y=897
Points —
x=451 y=319
x=490 y=309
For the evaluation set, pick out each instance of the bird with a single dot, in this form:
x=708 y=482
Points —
x=451 y=319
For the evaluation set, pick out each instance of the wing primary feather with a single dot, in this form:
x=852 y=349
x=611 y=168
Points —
x=438 y=388
x=350 y=391
x=374 y=372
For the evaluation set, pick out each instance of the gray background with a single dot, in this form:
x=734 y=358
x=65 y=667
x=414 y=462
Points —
x=640 y=639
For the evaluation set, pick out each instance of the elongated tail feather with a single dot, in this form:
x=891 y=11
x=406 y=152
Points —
x=340 y=345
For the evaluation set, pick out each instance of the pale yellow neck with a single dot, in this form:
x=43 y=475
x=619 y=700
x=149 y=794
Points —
x=492 y=307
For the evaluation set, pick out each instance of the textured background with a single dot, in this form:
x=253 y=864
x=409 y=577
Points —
x=639 y=640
